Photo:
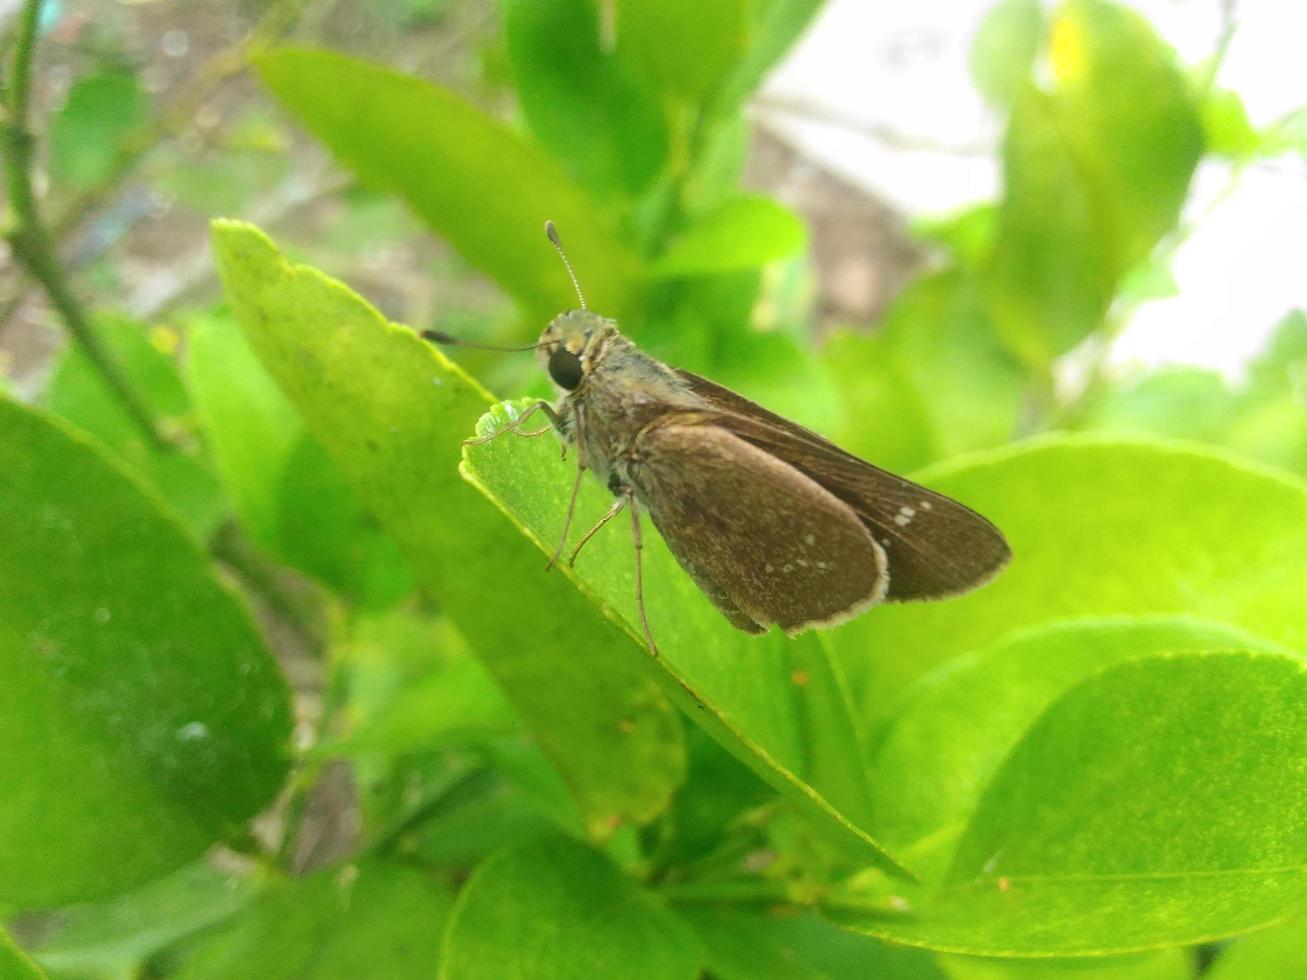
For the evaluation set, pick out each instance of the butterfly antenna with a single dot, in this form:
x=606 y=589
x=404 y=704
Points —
x=552 y=233
x=448 y=340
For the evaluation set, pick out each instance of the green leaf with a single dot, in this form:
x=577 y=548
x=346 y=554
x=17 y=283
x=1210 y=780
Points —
x=290 y=496
x=1166 y=964
x=940 y=335
x=780 y=705
x=391 y=412
x=114 y=938
x=954 y=728
x=1279 y=952
x=1004 y=49
x=742 y=233
x=1227 y=130
x=1095 y=173
x=580 y=99
x=77 y=391
x=554 y=908
x=90 y=130
x=485 y=190
x=775 y=26
x=1101 y=526
x=136 y=687
x=410 y=685
x=14 y=964
x=683 y=49
x=1160 y=802
x=785 y=945
x=885 y=417
x=374 y=919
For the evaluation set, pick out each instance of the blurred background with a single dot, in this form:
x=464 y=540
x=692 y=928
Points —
x=872 y=125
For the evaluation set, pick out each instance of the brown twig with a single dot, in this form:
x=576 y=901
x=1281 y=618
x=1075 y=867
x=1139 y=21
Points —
x=30 y=239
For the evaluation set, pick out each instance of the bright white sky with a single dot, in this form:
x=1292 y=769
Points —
x=902 y=67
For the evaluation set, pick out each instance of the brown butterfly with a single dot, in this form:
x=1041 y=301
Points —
x=774 y=523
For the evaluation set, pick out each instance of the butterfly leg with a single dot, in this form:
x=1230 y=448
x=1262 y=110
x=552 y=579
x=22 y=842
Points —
x=512 y=426
x=639 y=571
x=618 y=506
x=571 y=500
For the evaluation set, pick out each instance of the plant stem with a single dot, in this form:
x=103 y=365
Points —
x=30 y=240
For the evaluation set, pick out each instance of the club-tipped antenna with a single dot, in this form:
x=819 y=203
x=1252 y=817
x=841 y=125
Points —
x=552 y=234
x=447 y=340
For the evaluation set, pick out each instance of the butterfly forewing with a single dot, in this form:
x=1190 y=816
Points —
x=766 y=543
x=935 y=546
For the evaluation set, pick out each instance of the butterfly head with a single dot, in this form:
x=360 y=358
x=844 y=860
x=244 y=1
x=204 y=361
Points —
x=570 y=347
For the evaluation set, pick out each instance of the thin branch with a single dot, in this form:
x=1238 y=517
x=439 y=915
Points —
x=171 y=120
x=30 y=240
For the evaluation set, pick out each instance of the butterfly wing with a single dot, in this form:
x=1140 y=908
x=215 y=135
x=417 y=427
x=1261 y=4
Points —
x=935 y=546
x=766 y=543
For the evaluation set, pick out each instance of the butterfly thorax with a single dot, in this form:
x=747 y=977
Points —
x=622 y=392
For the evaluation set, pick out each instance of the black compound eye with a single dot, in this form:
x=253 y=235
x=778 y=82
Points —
x=565 y=368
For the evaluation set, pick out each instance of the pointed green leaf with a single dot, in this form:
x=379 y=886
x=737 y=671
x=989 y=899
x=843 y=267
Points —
x=1095 y=172
x=391 y=411
x=955 y=727
x=141 y=717
x=553 y=908
x=484 y=189
x=1158 y=803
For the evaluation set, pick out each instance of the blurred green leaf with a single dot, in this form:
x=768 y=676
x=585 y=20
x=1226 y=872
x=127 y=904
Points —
x=780 y=705
x=115 y=937
x=1004 y=49
x=412 y=685
x=373 y=919
x=774 y=26
x=554 y=908
x=1176 y=400
x=1101 y=526
x=955 y=727
x=77 y=391
x=1264 y=419
x=760 y=945
x=885 y=418
x=290 y=496
x=682 y=48
x=89 y=131
x=1183 y=818
x=1278 y=952
x=136 y=687
x=580 y=99
x=1095 y=173
x=391 y=411
x=742 y=233
x=1227 y=131
x=485 y=190
x=939 y=340
x=14 y=964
